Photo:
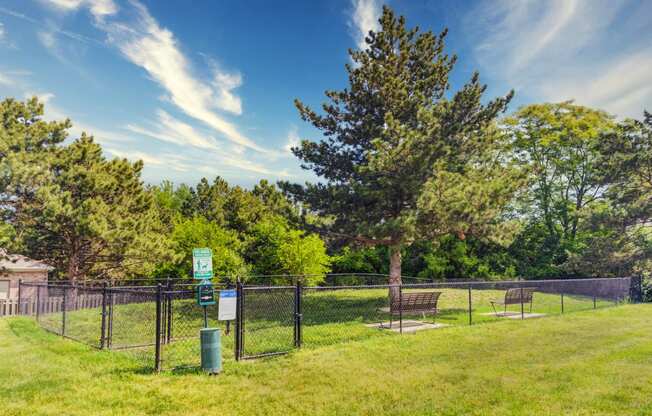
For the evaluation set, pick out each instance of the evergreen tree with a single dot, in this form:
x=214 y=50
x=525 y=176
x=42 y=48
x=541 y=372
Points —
x=393 y=138
x=92 y=217
x=27 y=146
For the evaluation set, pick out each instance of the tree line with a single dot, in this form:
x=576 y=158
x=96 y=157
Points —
x=415 y=179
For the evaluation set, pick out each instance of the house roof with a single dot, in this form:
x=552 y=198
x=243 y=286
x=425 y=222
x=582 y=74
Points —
x=20 y=263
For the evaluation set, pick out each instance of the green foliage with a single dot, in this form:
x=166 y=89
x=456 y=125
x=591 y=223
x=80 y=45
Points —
x=173 y=202
x=560 y=145
x=538 y=253
x=198 y=232
x=452 y=258
x=393 y=134
x=92 y=217
x=27 y=146
x=361 y=260
x=275 y=248
x=304 y=256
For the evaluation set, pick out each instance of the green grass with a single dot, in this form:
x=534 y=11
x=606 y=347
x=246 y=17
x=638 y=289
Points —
x=586 y=363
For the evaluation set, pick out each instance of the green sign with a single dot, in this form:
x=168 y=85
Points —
x=202 y=263
x=205 y=294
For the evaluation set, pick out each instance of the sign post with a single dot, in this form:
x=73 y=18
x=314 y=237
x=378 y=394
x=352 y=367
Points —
x=209 y=338
x=202 y=269
x=205 y=297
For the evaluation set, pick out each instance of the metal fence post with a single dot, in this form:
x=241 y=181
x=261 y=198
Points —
x=159 y=297
x=562 y=302
x=297 y=314
x=400 y=308
x=238 y=317
x=522 y=311
x=109 y=330
x=242 y=311
x=20 y=297
x=470 y=308
x=63 y=313
x=169 y=300
x=103 y=335
x=594 y=302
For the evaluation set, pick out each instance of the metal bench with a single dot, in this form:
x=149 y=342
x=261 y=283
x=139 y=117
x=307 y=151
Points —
x=411 y=303
x=514 y=296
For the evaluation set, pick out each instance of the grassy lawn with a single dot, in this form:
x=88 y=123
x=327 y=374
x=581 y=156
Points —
x=586 y=363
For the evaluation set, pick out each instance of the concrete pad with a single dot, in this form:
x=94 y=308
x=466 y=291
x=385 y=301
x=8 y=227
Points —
x=514 y=315
x=409 y=326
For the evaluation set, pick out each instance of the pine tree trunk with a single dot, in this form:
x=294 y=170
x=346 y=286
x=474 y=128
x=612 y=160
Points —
x=394 y=270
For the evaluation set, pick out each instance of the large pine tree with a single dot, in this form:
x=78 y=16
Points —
x=403 y=157
x=93 y=218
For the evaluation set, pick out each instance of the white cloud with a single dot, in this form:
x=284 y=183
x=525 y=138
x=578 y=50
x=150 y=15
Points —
x=174 y=162
x=171 y=130
x=292 y=140
x=47 y=39
x=214 y=156
x=363 y=19
x=562 y=49
x=2 y=32
x=61 y=52
x=154 y=48
x=5 y=80
x=224 y=84
x=45 y=98
x=99 y=8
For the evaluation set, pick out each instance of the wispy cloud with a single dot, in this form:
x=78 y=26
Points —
x=292 y=140
x=169 y=161
x=561 y=49
x=5 y=41
x=364 y=18
x=154 y=48
x=172 y=130
x=48 y=41
x=209 y=154
x=99 y=8
x=5 y=79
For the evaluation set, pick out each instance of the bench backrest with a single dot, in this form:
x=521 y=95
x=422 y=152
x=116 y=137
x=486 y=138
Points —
x=415 y=302
x=513 y=296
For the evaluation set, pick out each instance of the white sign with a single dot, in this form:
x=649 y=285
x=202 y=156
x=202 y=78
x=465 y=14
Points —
x=226 y=307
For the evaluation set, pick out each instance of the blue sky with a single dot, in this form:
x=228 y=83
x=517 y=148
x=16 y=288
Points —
x=204 y=88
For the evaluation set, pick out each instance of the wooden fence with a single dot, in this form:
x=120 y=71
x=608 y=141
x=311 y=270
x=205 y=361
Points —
x=9 y=307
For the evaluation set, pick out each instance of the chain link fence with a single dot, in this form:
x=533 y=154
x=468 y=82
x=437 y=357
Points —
x=159 y=325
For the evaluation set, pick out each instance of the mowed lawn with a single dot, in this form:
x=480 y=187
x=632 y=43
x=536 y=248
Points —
x=586 y=363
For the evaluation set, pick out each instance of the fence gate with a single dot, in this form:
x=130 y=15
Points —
x=269 y=320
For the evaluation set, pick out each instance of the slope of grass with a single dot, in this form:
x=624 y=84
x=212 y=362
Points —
x=587 y=363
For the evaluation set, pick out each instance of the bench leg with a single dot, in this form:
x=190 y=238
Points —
x=493 y=306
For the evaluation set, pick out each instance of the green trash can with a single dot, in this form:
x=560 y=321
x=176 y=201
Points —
x=211 y=350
